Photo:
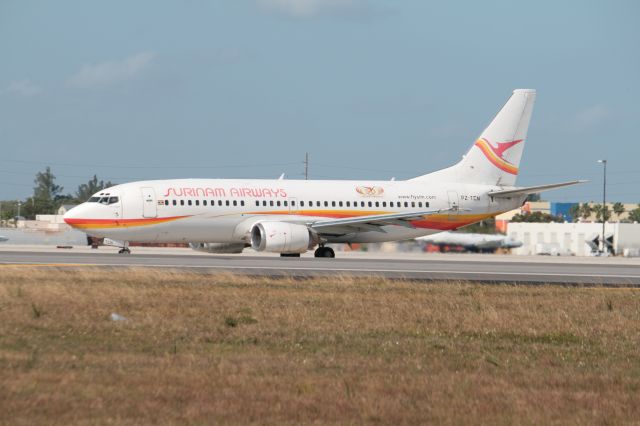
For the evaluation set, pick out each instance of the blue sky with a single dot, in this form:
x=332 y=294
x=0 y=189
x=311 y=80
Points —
x=134 y=90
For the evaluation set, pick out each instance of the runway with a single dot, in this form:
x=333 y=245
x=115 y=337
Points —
x=424 y=267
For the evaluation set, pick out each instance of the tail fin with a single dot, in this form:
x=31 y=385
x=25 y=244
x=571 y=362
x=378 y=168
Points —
x=495 y=157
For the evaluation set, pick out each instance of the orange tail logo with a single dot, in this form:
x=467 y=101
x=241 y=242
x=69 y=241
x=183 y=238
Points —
x=494 y=154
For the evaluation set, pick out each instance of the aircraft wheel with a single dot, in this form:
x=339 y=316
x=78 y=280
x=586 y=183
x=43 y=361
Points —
x=125 y=251
x=324 y=252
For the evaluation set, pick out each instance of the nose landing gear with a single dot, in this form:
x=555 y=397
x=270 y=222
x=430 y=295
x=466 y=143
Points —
x=124 y=245
x=323 y=251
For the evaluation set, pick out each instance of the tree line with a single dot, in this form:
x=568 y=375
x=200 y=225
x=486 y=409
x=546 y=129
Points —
x=48 y=196
x=583 y=211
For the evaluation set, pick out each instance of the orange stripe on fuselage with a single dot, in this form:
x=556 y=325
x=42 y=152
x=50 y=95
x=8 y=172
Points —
x=500 y=163
x=437 y=221
x=119 y=223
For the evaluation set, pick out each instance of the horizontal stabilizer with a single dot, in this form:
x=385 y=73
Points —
x=506 y=193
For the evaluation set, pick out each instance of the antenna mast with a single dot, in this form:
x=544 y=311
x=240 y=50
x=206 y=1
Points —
x=306 y=166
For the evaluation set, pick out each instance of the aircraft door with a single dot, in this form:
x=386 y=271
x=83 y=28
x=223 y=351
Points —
x=454 y=204
x=149 y=207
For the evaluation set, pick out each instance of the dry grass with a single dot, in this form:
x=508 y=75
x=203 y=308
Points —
x=229 y=349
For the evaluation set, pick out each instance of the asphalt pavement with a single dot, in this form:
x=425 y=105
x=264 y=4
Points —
x=423 y=267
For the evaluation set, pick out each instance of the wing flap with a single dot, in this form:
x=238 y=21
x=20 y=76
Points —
x=371 y=223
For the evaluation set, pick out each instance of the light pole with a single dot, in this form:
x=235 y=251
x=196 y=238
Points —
x=604 y=201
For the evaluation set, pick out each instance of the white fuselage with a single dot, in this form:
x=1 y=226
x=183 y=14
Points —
x=224 y=211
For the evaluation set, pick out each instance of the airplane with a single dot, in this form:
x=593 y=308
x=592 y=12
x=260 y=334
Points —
x=290 y=217
x=3 y=239
x=484 y=243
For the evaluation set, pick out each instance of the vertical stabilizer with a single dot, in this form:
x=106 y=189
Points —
x=494 y=158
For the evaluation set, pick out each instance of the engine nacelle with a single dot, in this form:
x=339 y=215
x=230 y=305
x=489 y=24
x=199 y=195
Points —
x=281 y=237
x=218 y=247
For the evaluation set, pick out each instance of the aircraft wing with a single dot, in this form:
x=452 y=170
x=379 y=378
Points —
x=371 y=223
x=506 y=193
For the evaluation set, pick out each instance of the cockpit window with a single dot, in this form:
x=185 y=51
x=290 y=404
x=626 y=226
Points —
x=107 y=200
x=93 y=200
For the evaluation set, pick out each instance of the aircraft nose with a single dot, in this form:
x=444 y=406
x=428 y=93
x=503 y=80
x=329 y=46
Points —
x=76 y=215
x=70 y=215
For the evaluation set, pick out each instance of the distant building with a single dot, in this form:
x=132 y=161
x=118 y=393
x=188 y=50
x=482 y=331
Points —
x=577 y=239
x=562 y=210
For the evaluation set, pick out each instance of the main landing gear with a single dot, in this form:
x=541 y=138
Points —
x=323 y=251
x=124 y=250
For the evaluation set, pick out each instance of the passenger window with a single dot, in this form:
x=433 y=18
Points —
x=333 y=204
x=242 y=203
x=197 y=202
x=182 y=202
x=271 y=203
x=264 y=203
x=257 y=203
x=285 y=203
x=204 y=202
x=340 y=203
x=318 y=203
x=326 y=204
x=227 y=202
x=377 y=204
x=390 y=203
x=370 y=204
x=384 y=204
x=235 y=203
x=174 y=202
x=219 y=202
x=406 y=204
x=420 y=204
x=426 y=204
x=348 y=203
x=413 y=204
x=189 y=202
x=293 y=202
x=301 y=203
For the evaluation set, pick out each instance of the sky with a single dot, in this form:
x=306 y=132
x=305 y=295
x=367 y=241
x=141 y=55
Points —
x=133 y=90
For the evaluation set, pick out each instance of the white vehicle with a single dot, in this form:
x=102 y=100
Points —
x=292 y=216
x=485 y=243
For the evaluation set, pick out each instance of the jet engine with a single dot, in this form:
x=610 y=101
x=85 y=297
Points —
x=281 y=237
x=218 y=247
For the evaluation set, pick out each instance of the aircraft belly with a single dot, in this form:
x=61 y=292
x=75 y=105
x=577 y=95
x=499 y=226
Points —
x=190 y=229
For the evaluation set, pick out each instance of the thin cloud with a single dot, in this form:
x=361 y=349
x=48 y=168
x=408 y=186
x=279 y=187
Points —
x=592 y=117
x=23 y=87
x=304 y=9
x=106 y=73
